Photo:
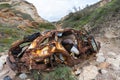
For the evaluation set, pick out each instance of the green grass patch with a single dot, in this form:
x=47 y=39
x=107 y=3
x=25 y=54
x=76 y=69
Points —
x=24 y=15
x=60 y=73
x=11 y=34
x=2 y=6
x=93 y=16
x=48 y=26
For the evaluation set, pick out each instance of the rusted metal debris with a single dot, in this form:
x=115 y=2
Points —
x=47 y=50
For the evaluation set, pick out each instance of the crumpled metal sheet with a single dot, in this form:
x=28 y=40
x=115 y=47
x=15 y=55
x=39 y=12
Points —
x=47 y=50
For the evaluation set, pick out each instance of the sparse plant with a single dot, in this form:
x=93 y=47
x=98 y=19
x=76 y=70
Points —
x=60 y=73
x=2 y=6
x=92 y=14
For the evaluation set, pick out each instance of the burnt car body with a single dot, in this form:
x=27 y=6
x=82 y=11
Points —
x=47 y=50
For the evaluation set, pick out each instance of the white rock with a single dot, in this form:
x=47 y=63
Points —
x=23 y=76
x=114 y=62
x=99 y=54
x=1 y=66
x=111 y=53
x=118 y=57
x=89 y=73
x=3 y=59
x=103 y=71
x=77 y=72
x=100 y=59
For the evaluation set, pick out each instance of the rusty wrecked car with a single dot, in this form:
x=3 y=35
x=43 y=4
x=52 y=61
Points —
x=47 y=50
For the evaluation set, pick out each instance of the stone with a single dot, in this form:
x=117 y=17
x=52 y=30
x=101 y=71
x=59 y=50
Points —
x=3 y=59
x=118 y=57
x=103 y=71
x=23 y=76
x=111 y=53
x=77 y=72
x=103 y=65
x=100 y=59
x=114 y=62
x=1 y=66
x=88 y=73
x=99 y=54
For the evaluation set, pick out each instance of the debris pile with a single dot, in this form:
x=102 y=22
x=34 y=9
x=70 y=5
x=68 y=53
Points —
x=45 y=51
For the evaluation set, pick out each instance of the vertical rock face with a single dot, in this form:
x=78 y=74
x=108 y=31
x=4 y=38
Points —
x=24 y=7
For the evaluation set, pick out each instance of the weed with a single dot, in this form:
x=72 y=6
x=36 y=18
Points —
x=60 y=73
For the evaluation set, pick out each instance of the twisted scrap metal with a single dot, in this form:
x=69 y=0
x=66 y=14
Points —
x=47 y=50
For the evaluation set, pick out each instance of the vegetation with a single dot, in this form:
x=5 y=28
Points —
x=92 y=15
x=4 y=6
x=12 y=34
x=60 y=73
x=46 y=26
x=23 y=15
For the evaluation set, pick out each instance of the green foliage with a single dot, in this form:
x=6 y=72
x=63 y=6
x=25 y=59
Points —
x=60 y=73
x=4 y=6
x=11 y=34
x=23 y=15
x=36 y=75
x=46 y=26
x=93 y=15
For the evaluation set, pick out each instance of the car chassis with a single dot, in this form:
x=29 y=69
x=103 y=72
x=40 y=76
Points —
x=45 y=51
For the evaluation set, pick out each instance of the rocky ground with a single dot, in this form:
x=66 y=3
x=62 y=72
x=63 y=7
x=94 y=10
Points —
x=105 y=66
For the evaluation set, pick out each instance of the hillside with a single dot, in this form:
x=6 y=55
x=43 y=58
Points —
x=103 y=21
x=97 y=16
x=16 y=21
x=24 y=7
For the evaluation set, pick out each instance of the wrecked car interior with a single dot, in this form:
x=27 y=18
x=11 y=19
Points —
x=45 y=51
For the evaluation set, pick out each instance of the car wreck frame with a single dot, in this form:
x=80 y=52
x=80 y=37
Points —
x=47 y=50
